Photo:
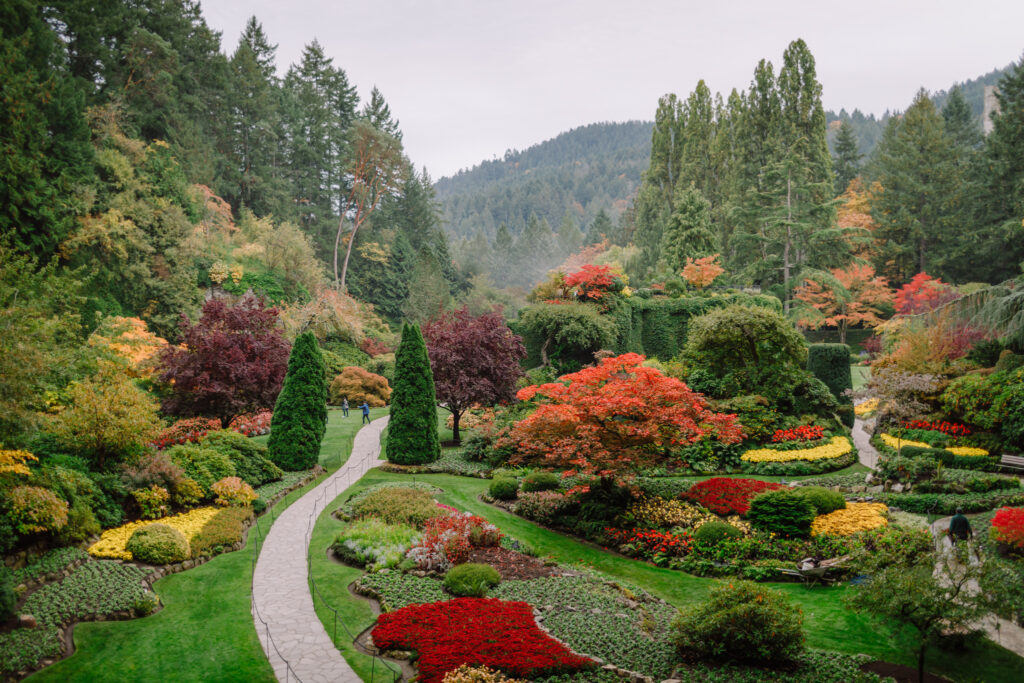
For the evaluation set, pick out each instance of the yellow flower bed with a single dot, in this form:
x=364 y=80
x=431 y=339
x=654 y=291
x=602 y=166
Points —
x=868 y=406
x=855 y=517
x=112 y=542
x=837 y=447
x=963 y=451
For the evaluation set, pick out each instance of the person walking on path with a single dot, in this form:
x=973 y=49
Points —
x=344 y=407
x=366 y=413
x=960 y=527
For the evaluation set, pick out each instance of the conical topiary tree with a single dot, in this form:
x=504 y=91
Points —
x=300 y=414
x=412 y=430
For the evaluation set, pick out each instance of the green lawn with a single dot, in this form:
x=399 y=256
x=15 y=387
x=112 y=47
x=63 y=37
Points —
x=205 y=631
x=861 y=375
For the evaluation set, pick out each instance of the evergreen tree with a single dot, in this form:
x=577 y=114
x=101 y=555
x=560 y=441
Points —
x=378 y=113
x=300 y=414
x=502 y=255
x=689 y=233
x=847 y=159
x=428 y=290
x=570 y=239
x=600 y=229
x=412 y=428
x=915 y=162
x=698 y=133
x=653 y=204
x=959 y=122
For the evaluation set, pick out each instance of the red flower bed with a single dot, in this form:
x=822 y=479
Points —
x=475 y=631
x=447 y=540
x=185 y=431
x=651 y=544
x=801 y=433
x=1008 y=524
x=725 y=496
x=954 y=429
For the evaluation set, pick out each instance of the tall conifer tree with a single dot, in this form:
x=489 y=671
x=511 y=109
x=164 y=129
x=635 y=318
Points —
x=300 y=414
x=847 y=159
x=412 y=428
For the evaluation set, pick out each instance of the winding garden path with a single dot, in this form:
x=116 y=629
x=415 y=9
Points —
x=866 y=453
x=294 y=640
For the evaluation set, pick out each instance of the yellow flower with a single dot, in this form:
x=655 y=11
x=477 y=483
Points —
x=112 y=542
x=963 y=451
x=837 y=447
x=853 y=518
x=868 y=406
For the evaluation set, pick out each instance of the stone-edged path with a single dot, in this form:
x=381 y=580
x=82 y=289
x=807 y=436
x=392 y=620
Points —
x=282 y=604
x=866 y=453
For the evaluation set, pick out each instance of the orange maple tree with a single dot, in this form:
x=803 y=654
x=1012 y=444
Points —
x=703 y=271
x=853 y=216
x=852 y=296
x=613 y=418
x=923 y=294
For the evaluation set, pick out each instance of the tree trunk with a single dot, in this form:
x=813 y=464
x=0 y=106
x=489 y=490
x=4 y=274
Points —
x=920 y=664
x=340 y=285
x=456 y=414
x=842 y=333
x=544 y=352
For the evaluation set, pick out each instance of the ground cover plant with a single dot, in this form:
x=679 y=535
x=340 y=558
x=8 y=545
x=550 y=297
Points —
x=51 y=562
x=112 y=543
x=374 y=543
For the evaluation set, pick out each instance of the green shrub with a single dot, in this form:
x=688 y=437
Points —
x=932 y=437
x=374 y=544
x=412 y=429
x=540 y=481
x=249 y=458
x=204 y=465
x=300 y=413
x=398 y=505
x=903 y=469
x=782 y=512
x=158 y=544
x=471 y=580
x=715 y=532
x=503 y=488
x=741 y=621
x=542 y=506
x=8 y=598
x=823 y=499
x=81 y=525
x=222 y=530
x=831 y=364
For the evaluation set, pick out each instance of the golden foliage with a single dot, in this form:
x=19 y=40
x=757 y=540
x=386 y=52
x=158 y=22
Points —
x=962 y=451
x=112 y=542
x=331 y=313
x=837 y=446
x=358 y=385
x=853 y=518
x=13 y=462
x=129 y=339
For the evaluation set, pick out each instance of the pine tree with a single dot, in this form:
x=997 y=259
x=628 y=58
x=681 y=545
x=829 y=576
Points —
x=698 y=133
x=847 y=159
x=570 y=239
x=428 y=290
x=601 y=228
x=689 y=233
x=378 y=113
x=959 y=121
x=412 y=429
x=300 y=414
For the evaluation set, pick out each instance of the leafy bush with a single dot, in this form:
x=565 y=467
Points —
x=222 y=530
x=8 y=598
x=713 y=532
x=155 y=468
x=233 y=491
x=946 y=504
x=398 y=505
x=830 y=363
x=152 y=502
x=741 y=621
x=204 y=465
x=56 y=560
x=471 y=580
x=503 y=488
x=898 y=468
x=249 y=458
x=187 y=493
x=358 y=385
x=447 y=540
x=541 y=506
x=823 y=499
x=782 y=512
x=374 y=543
x=540 y=481
x=158 y=544
x=185 y=431
x=81 y=525
x=33 y=510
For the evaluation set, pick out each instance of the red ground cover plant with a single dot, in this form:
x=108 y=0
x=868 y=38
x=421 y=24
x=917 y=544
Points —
x=252 y=425
x=1008 y=527
x=475 y=631
x=954 y=429
x=447 y=540
x=801 y=433
x=725 y=496
x=185 y=431
x=651 y=544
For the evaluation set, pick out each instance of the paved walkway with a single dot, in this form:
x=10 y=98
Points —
x=866 y=453
x=282 y=605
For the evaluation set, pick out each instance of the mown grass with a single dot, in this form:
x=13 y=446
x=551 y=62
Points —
x=205 y=631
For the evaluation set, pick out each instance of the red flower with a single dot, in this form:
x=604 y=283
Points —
x=478 y=632
x=801 y=433
x=725 y=496
x=1008 y=524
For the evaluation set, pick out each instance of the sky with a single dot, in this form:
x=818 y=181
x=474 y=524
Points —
x=469 y=79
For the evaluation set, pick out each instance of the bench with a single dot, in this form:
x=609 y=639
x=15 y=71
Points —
x=1013 y=461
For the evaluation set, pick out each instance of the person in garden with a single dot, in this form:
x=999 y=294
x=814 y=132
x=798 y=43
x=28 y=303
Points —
x=366 y=412
x=344 y=407
x=960 y=527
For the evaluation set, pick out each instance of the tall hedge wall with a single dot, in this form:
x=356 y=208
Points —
x=831 y=364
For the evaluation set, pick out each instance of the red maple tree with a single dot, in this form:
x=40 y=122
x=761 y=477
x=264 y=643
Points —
x=475 y=360
x=924 y=294
x=610 y=419
x=231 y=361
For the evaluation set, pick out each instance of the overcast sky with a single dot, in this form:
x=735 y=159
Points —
x=469 y=79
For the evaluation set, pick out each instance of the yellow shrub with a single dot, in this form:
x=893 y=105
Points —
x=962 y=451
x=837 y=447
x=853 y=518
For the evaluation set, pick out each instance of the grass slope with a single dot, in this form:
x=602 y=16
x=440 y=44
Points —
x=205 y=631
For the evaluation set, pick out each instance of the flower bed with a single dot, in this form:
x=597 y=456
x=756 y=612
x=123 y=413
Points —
x=954 y=429
x=476 y=631
x=896 y=443
x=866 y=407
x=185 y=431
x=374 y=544
x=55 y=561
x=1008 y=527
x=446 y=540
x=848 y=521
x=725 y=496
x=111 y=543
x=650 y=544
x=837 y=446
x=252 y=425
x=801 y=433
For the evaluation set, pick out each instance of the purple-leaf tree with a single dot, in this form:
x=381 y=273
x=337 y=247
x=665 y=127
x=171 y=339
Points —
x=231 y=361
x=475 y=359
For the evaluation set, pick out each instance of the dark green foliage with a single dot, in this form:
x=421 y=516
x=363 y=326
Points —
x=846 y=161
x=158 y=544
x=564 y=335
x=985 y=352
x=713 y=532
x=503 y=488
x=8 y=598
x=205 y=465
x=947 y=503
x=471 y=580
x=668 y=488
x=540 y=481
x=82 y=524
x=300 y=414
x=412 y=430
x=831 y=364
x=741 y=621
x=248 y=457
x=824 y=500
x=782 y=512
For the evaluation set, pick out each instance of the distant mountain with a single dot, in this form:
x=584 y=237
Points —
x=577 y=173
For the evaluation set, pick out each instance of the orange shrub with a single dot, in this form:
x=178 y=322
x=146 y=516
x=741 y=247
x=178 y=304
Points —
x=358 y=385
x=233 y=491
x=34 y=509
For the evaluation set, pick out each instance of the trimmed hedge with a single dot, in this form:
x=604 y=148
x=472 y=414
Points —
x=300 y=414
x=831 y=364
x=158 y=544
x=540 y=481
x=947 y=503
x=412 y=429
x=783 y=512
x=503 y=488
x=471 y=579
